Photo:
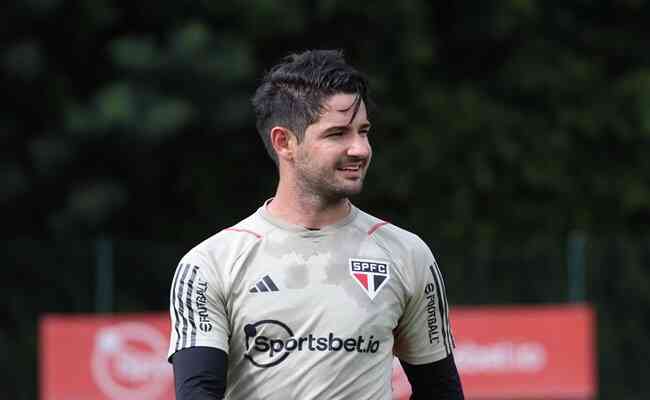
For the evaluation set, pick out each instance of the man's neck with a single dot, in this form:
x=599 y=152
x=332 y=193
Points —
x=310 y=211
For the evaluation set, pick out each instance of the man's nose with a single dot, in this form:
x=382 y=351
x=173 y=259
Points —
x=360 y=146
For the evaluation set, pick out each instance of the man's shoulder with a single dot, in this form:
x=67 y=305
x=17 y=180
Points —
x=380 y=229
x=404 y=247
x=229 y=241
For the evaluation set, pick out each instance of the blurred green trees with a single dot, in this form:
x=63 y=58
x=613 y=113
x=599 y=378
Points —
x=498 y=125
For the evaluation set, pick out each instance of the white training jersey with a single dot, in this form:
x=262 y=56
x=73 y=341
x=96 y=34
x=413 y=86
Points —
x=311 y=314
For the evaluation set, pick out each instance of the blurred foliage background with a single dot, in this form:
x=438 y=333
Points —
x=501 y=128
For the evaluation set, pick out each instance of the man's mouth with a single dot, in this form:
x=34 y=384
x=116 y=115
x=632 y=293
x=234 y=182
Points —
x=352 y=165
x=351 y=168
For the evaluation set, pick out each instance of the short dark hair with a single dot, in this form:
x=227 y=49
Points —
x=292 y=93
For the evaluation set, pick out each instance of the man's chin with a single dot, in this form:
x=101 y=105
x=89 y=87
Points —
x=334 y=194
x=351 y=190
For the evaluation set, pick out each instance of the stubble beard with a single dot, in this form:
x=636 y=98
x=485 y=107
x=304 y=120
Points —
x=327 y=188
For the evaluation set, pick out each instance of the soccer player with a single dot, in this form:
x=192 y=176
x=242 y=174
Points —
x=310 y=297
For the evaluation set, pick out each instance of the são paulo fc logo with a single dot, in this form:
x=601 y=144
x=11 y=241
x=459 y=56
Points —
x=371 y=275
x=269 y=342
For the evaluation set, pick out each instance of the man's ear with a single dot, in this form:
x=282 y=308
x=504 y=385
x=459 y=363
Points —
x=284 y=142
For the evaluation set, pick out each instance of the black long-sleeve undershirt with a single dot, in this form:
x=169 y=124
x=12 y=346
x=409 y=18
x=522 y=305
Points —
x=437 y=380
x=200 y=374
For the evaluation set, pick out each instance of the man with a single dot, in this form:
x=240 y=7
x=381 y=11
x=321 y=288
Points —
x=310 y=297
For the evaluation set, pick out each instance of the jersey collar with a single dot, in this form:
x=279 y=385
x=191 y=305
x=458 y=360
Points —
x=264 y=213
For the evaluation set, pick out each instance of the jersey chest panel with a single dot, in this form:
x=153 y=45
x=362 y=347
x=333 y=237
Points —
x=310 y=299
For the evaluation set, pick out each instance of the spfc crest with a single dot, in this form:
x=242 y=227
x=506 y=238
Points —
x=371 y=275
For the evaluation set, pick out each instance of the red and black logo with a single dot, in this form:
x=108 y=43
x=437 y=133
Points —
x=371 y=275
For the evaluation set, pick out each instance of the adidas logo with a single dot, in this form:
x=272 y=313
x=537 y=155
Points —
x=264 y=285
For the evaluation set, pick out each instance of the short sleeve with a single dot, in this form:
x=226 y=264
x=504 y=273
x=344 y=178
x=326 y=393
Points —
x=423 y=334
x=197 y=307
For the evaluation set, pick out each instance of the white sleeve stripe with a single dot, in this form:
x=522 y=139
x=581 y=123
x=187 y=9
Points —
x=444 y=289
x=188 y=302
x=442 y=306
x=450 y=336
x=172 y=301
x=179 y=309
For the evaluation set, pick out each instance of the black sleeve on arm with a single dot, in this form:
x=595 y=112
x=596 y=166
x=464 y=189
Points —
x=436 y=380
x=200 y=373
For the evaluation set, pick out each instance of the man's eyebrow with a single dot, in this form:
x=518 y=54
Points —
x=336 y=128
x=365 y=125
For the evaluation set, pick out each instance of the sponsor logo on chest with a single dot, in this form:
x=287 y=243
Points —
x=269 y=342
x=371 y=275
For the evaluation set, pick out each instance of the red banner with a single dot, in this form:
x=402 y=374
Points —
x=105 y=358
x=543 y=352
x=538 y=352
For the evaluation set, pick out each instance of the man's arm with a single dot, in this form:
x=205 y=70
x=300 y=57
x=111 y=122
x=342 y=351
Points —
x=199 y=329
x=200 y=373
x=437 y=380
x=423 y=339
